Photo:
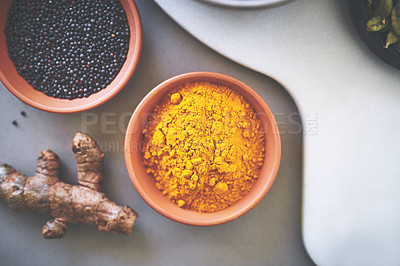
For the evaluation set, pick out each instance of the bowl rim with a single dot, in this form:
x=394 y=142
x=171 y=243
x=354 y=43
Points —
x=247 y=4
x=87 y=104
x=182 y=78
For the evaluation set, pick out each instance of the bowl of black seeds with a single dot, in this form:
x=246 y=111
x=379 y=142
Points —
x=67 y=56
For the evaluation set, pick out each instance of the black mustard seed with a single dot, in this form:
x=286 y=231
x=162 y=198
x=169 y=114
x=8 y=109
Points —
x=67 y=49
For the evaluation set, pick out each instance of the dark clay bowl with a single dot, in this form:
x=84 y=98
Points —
x=23 y=91
x=145 y=184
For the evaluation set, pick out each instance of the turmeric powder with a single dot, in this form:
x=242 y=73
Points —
x=204 y=146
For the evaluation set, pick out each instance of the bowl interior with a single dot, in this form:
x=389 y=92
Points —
x=21 y=89
x=145 y=184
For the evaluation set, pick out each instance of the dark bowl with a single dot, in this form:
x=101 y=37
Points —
x=373 y=40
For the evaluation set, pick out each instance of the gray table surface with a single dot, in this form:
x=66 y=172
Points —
x=268 y=235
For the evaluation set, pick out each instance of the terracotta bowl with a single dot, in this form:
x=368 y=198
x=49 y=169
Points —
x=145 y=184
x=23 y=91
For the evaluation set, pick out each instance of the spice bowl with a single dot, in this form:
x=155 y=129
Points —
x=145 y=183
x=18 y=86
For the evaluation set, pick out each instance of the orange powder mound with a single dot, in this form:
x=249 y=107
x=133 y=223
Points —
x=204 y=146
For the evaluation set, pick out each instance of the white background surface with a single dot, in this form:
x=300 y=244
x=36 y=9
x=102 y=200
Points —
x=352 y=164
x=267 y=235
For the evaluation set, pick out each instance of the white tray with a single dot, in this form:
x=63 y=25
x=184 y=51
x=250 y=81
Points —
x=350 y=105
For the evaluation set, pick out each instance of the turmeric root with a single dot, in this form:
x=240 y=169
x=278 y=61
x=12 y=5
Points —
x=84 y=203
